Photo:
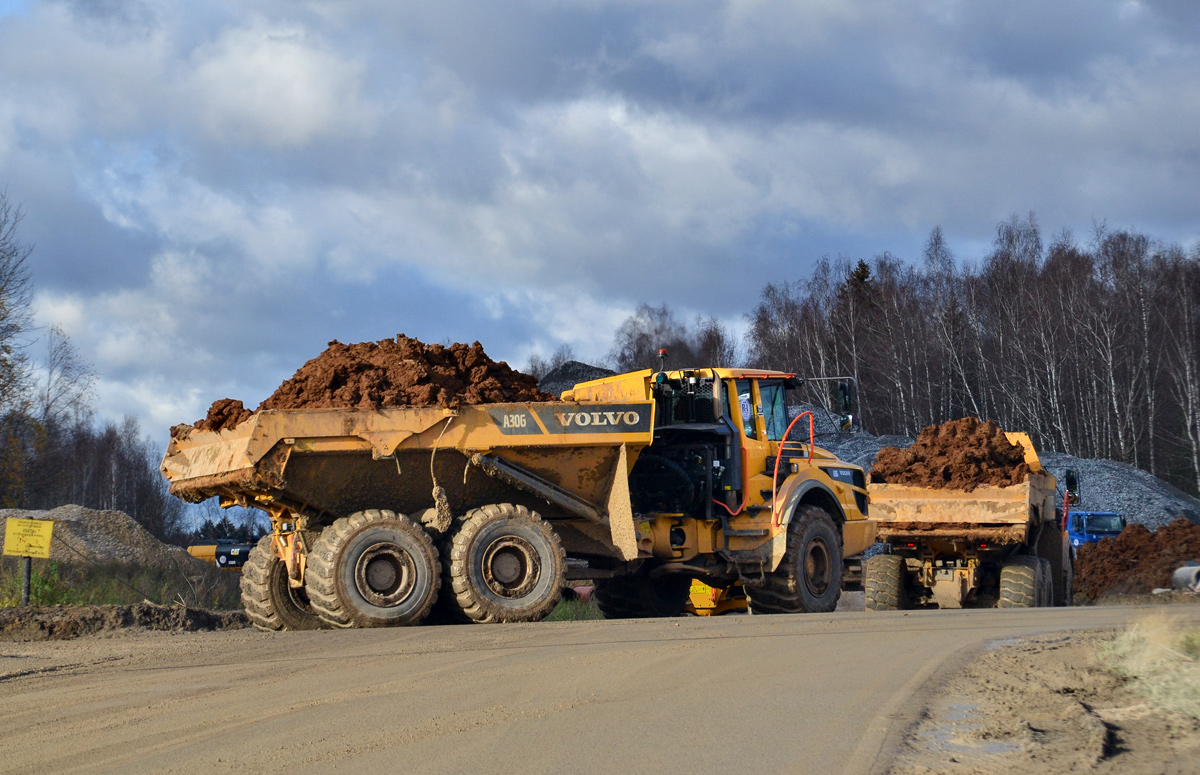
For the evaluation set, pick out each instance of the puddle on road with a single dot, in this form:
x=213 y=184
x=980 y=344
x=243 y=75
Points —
x=951 y=731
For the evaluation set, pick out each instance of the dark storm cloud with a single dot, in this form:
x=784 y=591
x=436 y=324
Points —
x=218 y=189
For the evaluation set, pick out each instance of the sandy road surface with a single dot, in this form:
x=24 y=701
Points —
x=811 y=694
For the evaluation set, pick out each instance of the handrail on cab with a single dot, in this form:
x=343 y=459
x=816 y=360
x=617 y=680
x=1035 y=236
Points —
x=812 y=439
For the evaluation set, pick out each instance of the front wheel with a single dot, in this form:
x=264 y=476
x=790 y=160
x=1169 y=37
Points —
x=809 y=577
x=272 y=603
x=637 y=595
x=373 y=569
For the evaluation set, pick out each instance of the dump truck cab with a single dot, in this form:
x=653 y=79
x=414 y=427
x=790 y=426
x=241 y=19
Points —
x=715 y=492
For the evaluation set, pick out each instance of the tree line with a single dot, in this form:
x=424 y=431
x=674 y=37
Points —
x=52 y=450
x=1093 y=348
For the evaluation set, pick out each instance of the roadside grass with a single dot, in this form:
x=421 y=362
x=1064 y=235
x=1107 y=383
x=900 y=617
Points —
x=1163 y=660
x=574 y=611
x=64 y=583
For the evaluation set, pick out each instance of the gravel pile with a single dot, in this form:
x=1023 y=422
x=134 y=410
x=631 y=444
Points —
x=569 y=375
x=101 y=537
x=1106 y=485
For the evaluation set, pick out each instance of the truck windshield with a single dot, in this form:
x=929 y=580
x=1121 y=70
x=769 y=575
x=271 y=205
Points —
x=1105 y=523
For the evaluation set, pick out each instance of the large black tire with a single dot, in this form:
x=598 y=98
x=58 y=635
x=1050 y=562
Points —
x=373 y=569
x=446 y=609
x=1068 y=596
x=809 y=577
x=1020 y=583
x=270 y=602
x=884 y=577
x=506 y=565
x=1045 y=584
x=638 y=596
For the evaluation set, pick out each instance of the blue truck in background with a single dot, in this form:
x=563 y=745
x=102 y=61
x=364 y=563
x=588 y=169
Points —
x=1086 y=527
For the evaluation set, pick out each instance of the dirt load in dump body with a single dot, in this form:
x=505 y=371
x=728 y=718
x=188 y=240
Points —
x=1136 y=561
x=389 y=373
x=956 y=455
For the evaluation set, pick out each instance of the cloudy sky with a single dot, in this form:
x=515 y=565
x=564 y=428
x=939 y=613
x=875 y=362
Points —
x=216 y=189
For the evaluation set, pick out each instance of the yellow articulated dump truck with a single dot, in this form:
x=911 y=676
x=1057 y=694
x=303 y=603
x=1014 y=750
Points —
x=641 y=481
x=991 y=546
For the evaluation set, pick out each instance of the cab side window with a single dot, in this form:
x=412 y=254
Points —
x=746 y=402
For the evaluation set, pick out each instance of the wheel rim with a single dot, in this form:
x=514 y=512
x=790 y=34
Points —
x=385 y=575
x=510 y=567
x=818 y=570
x=296 y=596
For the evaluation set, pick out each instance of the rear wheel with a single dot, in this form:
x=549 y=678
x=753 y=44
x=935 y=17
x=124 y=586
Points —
x=1045 y=584
x=638 y=596
x=883 y=580
x=1020 y=585
x=373 y=569
x=506 y=565
x=809 y=577
x=270 y=602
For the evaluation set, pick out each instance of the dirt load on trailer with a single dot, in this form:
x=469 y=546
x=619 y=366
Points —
x=968 y=517
x=401 y=477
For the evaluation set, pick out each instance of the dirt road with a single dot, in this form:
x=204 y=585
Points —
x=806 y=694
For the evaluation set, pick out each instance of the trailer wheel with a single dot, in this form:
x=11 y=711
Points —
x=883 y=580
x=809 y=577
x=1020 y=584
x=506 y=565
x=1045 y=584
x=270 y=602
x=446 y=609
x=637 y=596
x=373 y=569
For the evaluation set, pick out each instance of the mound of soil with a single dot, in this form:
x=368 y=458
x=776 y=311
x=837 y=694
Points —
x=389 y=373
x=1136 y=561
x=90 y=536
x=956 y=455
x=60 y=622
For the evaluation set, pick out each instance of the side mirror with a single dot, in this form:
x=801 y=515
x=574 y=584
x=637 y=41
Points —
x=845 y=397
x=1071 y=480
x=793 y=383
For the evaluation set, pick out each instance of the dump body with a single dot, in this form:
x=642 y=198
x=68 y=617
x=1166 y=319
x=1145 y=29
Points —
x=328 y=463
x=955 y=542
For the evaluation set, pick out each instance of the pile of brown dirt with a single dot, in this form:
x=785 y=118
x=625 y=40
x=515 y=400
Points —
x=1134 y=562
x=389 y=373
x=224 y=413
x=60 y=622
x=956 y=455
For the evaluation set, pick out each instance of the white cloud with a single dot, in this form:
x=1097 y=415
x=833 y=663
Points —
x=275 y=85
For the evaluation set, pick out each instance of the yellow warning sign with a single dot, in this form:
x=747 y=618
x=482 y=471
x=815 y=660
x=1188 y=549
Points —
x=28 y=537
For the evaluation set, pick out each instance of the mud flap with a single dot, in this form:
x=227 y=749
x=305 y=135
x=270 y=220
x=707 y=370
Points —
x=620 y=509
